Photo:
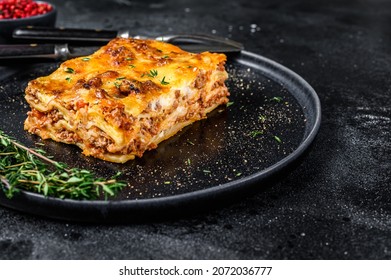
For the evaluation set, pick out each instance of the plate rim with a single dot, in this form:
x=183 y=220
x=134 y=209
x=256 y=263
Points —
x=104 y=207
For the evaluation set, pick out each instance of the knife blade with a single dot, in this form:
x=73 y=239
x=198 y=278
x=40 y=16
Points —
x=95 y=36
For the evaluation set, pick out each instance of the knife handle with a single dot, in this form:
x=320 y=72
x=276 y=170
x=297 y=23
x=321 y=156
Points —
x=69 y=35
x=33 y=51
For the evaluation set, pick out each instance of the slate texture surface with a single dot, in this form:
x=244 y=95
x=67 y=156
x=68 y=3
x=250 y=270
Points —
x=334 y=204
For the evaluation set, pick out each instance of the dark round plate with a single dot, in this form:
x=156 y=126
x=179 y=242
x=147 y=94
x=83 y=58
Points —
x=273 y=118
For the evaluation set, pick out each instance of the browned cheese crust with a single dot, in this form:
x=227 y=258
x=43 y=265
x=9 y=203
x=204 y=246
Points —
x=125 y=98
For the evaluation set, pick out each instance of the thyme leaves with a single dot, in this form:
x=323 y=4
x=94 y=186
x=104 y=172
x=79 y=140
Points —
x=164 y=82
x=22 y=168
x=152 y=73
x=69 y=70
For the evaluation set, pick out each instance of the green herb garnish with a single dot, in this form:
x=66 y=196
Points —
x=86 y=59
x=277 y=139
x=117 y=85
x=229 y=104
x=255 y=133
x=262 y=118
x=22 y=168
x=69 y=70
x=163 y=81
x=152 y=73
x=120 y=78
x=132 y=66
x=276 y=98
x=68 y=79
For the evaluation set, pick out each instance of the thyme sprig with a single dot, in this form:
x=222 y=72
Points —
x=22 y=168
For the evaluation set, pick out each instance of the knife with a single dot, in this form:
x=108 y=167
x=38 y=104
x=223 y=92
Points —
x=64 y=51
x=88 y=36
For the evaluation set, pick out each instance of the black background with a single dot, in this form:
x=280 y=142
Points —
x=334 y=204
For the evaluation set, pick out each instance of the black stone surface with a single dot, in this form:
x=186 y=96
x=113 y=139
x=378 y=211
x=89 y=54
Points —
x=334 y=204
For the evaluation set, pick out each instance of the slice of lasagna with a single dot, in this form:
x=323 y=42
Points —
x=125 y=98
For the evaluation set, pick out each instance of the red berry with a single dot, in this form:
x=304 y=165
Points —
x=22 y=8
